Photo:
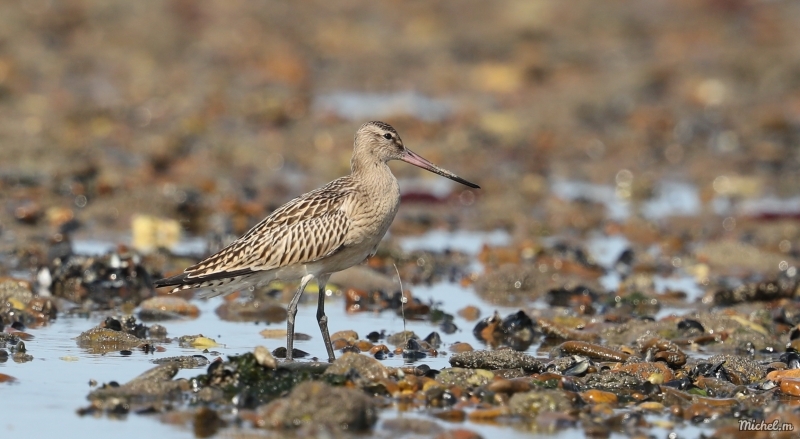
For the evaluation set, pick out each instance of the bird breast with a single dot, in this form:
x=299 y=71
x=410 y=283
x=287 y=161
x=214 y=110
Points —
x=372 y=211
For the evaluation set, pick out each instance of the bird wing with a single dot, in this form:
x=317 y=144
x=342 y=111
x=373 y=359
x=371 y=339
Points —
x=304 y=230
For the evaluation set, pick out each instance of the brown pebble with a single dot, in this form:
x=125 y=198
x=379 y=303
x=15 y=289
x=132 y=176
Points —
x=410 y=383
x=457 y=392
x=487 y=414
x=594 y=396
x=718 y=402
x=458 y=348
x=391 y=387
x=604 y=410
x=452 y=415
x=273 y=333
x=592 y=350
x=340 y=343
x=458 y=433
x=355 y=300
x=546 y=376
x=553 y=330
x=470 y=313
x=379 y=348
x=790 y=386
x=28 y=212
x=700 y=410
x=676 y=411
x=551 y=420
x=347 y=334
x=655 y=372
x=364 y=345
x=172 y=304
x=779 y=375
x=206 y=422
x=652 y=406
x=514 y=385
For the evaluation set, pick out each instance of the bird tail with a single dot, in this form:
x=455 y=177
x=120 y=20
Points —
x=217 y=285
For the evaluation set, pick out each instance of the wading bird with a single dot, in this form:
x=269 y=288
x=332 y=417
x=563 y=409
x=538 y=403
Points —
x=316 y=234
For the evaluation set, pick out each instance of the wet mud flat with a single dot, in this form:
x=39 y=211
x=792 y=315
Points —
x=629 y=267
x=528 y=340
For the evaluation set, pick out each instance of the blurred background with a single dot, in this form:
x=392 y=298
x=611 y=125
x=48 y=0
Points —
x=670 y=116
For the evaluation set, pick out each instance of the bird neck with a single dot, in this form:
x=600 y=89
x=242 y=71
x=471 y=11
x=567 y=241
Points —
x=371 y=171
x=363 y=164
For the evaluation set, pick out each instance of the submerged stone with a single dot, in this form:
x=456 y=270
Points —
x=315 y=402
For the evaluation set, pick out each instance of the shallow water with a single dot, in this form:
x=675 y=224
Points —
x=55 y=384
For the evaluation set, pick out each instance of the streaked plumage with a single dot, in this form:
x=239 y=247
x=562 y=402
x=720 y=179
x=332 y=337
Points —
x=321 y=232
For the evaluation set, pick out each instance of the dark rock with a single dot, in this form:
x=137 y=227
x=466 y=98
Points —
x=314 y=402
x=503 y=359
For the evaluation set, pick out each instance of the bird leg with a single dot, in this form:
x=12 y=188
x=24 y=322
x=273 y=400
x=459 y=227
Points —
x=322 y=319
x=292 y=312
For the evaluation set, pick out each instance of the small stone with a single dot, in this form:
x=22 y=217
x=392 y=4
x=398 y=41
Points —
x=492 y=360
x=318 y=403
x=453 y=415
x=364 y=345
x=652 y=406
x=456 y=376
x=594 y=396
x=340 y=343
x=790 y=386
x=413 y=427
x=264 y=357
x=348 y=335
x=459 y=347
x=206 y=422
x=459 y=433
x=368 y=367
x=470 y=313
x=780 y=375
x=537 y=401
x=483 y=415
x=167 y=307
x=511 y=386
x=274 y=333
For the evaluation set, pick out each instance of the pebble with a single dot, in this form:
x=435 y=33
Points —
x=652 y=406
x=514 y=385
x=780 y=375
x=348 y=335
x=790 y=386
x=364 y=345
x=470 y=313
x=264 y=357
x=479 y=415
x=594 y=396
x=160 y=307
x=458 y=348
x=459 y=433
x=368 y=367
x=453 y=415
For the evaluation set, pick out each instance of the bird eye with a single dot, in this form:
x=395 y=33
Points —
x=387 y=136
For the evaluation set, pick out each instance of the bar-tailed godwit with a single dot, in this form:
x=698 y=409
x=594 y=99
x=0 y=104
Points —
x=316 y=234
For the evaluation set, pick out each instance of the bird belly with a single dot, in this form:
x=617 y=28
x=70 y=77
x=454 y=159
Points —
x=341 y=260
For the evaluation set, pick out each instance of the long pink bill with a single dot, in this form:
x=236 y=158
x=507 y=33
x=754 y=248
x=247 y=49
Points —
x=417 y=160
